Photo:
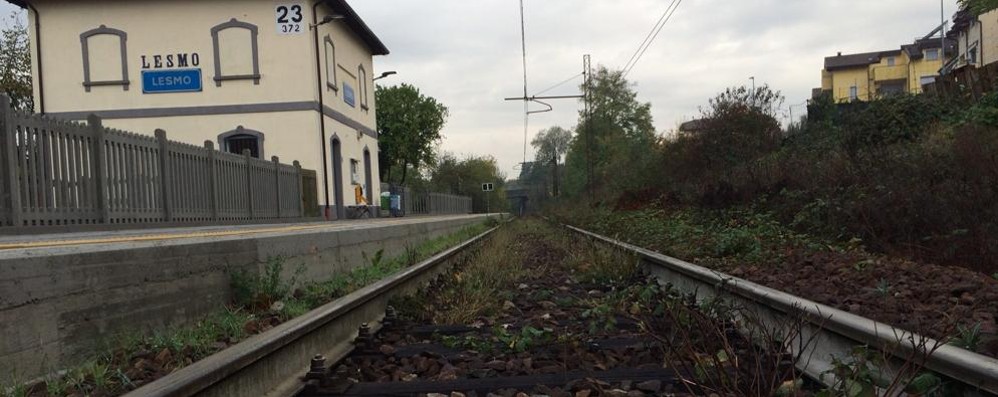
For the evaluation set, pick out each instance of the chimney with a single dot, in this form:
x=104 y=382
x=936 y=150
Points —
x=840 y=53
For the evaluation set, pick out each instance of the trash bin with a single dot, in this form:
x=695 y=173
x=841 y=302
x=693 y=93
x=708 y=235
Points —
x=386 y=200
x=396 y=205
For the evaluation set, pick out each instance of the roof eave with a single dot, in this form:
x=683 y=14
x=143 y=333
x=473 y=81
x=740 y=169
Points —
x=357 y=24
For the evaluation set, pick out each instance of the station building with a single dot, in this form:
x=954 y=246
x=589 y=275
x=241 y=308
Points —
x=280 y=78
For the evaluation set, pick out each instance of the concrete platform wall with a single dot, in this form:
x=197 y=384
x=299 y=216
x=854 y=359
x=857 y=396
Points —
x=57 y=305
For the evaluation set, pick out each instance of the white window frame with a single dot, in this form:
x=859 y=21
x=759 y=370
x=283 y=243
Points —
x=935 y=57
x=355 y=172
x=853 y=93
x=362 y=90
x=332 y=82
x=891 y=61
x=254 y=52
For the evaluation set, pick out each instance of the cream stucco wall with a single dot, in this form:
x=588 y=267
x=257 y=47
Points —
x=287 y=86
x=989 y=31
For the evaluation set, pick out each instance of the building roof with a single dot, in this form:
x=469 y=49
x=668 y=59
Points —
x=915 y=50
x=857 y=60
x=358 y=26
x=338 y=6
x=693 y=125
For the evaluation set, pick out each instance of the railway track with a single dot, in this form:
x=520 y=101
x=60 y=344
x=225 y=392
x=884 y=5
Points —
x=352 y=347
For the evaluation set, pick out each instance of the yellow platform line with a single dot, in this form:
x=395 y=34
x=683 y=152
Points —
x=155 y=237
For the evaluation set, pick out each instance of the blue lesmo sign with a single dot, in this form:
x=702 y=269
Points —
x=163 y=81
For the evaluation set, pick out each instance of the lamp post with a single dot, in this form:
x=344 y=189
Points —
x=753 y=90
x=322 y=119
x=385 y=74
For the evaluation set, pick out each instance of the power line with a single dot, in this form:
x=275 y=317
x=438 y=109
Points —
x=560 y=84
x=648 y=36
x=660 y=27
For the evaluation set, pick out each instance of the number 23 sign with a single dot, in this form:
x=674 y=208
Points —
x=290 y=19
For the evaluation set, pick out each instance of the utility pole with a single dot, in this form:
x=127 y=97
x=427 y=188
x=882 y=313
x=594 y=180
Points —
x=587 y=95
x=942 y=33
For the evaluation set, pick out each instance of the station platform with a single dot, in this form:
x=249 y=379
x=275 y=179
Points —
x=35 y=242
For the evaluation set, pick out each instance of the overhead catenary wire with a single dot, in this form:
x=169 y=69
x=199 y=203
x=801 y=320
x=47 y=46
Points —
x=657 y=31
x=560 y=84
x=648 y=36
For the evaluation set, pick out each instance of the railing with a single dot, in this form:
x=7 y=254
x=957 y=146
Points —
x=966 y=83
x=425 y=203
x=887 y=73
x=59 y=173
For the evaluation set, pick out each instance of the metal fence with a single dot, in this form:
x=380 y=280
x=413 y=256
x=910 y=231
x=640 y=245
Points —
x=58 y=173
x=426 y=203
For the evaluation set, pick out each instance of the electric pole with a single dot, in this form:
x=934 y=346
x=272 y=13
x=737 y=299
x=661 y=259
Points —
x=587 y=97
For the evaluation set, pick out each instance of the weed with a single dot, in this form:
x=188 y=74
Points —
x=967 y=337
x=261 y=291
x=603 y=265
x=99 y=374
x=469 y=342
x=527 y=338
x=883 y=287
x=602 y=317
x=543 y=295
x=856 y=376
x=565 y=301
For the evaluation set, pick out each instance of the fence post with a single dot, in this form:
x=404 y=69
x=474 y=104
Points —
x=212 y=178
x=165 y=175
x=249 y=181
x=277 y=182
x=301 y=190
x=12 y=185
x=100 y=163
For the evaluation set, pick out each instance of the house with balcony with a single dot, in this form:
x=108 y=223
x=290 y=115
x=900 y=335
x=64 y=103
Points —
x=976 y=37
x=869 y=75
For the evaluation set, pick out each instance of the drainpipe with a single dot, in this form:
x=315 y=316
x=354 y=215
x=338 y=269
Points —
x=38 y=52
x=322 y=106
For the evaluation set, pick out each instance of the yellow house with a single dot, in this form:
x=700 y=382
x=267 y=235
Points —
x=976 y=37
x=866 y=76
x=288 y=78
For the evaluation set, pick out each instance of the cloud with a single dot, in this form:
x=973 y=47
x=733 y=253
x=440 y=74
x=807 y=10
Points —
x=467 y=53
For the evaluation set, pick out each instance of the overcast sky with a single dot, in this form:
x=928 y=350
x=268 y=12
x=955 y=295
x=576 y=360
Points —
x=466 y=53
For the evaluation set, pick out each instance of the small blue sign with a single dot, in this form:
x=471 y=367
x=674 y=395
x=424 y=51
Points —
x=176 y=80
x=348 y=95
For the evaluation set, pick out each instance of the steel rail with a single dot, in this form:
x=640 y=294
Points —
x=272 y=363
x=836 y=332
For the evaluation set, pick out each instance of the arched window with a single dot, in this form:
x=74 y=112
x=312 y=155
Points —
x=236 y=54
x=331 y=81
x=105 y=58
x=368 y=177
x=362 y=90
x=240 y=139
x=338 y=177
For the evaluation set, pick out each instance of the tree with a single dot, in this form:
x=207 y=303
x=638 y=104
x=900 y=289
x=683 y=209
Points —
x=739 y=125
x=978 y=7
x=15 y=64
x=409 y=125
x=465 y=177
x=550 y=145
x=619 y=139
